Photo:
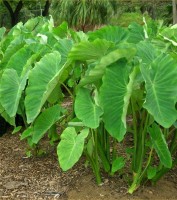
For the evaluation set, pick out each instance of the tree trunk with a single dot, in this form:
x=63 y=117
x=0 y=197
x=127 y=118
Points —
x=154 y=9
x=174 y=12
x=45 y=12
x=14 y=15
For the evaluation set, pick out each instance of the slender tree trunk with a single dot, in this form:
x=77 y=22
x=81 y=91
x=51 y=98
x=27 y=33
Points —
x=174 y=11
x=45 y=12
x=2 y=20
x=14 y=15
x=154 y=8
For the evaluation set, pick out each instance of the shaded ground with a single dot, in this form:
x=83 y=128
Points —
x=41 y=178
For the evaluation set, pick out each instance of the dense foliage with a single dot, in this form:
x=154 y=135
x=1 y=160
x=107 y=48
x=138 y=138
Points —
x=112 y=74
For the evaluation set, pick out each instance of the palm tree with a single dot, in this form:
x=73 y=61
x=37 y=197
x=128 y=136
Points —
x=82 y=14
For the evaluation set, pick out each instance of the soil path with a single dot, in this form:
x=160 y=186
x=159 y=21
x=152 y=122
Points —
x=41 y=178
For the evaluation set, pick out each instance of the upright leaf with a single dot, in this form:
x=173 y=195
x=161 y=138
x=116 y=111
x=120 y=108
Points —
x=146 y=52
x=114 y=97
x=136 y=33
x=19 y=59
x=86 y=110
x=161 y=86
x=15 y=44
x=11 y=88
x=63 y=46
x=42 y=80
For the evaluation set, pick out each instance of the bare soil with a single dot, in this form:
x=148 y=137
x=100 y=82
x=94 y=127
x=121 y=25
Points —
x=42 y=178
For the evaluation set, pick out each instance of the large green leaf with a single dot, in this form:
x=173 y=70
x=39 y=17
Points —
x=36 y=25
x=97 y=72
x=19 y=59
x=160 y=145
x=63 y=46
x=44 y=121
x=15 y=44
x=71 y=147
x=169 y=34
x=136 y=33
x=161 y=86
x=114 y=34
x=146 y=52
x=90 y=51
x=11 y=87
x=114 y=97
x=61 y=30
x=42 y=80
x=86 y=110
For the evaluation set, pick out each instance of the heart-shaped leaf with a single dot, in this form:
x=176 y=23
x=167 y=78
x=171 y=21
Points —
x=71 y=147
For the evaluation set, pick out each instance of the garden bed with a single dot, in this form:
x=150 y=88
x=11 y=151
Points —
x=41 y=178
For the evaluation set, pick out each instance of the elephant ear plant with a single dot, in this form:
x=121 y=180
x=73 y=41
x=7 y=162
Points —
x=136 y=80
x=33 y=66
x=112 y=74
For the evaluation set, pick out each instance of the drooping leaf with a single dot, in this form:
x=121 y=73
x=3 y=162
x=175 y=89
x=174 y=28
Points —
x=42 y=80
x=3 y=113
x=11 y=87
x=115 y=93
x=70 y=148
x=98 y=71
x=161 y=86
x=86 y=110
x=90 y=51
x=44 y=121
x=160 y=145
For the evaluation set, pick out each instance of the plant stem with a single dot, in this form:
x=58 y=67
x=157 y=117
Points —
x=135 y=134
x=68 y=90
x=173 y=142
x=94 y=168
x=94 y=160
x=147 y=165
x=23 y=116
x=114 y=152
x=139 y=156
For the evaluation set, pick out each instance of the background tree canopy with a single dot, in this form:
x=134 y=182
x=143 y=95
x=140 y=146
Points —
x=86 y=14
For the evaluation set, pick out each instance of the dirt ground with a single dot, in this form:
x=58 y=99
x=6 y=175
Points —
x=41 y=178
